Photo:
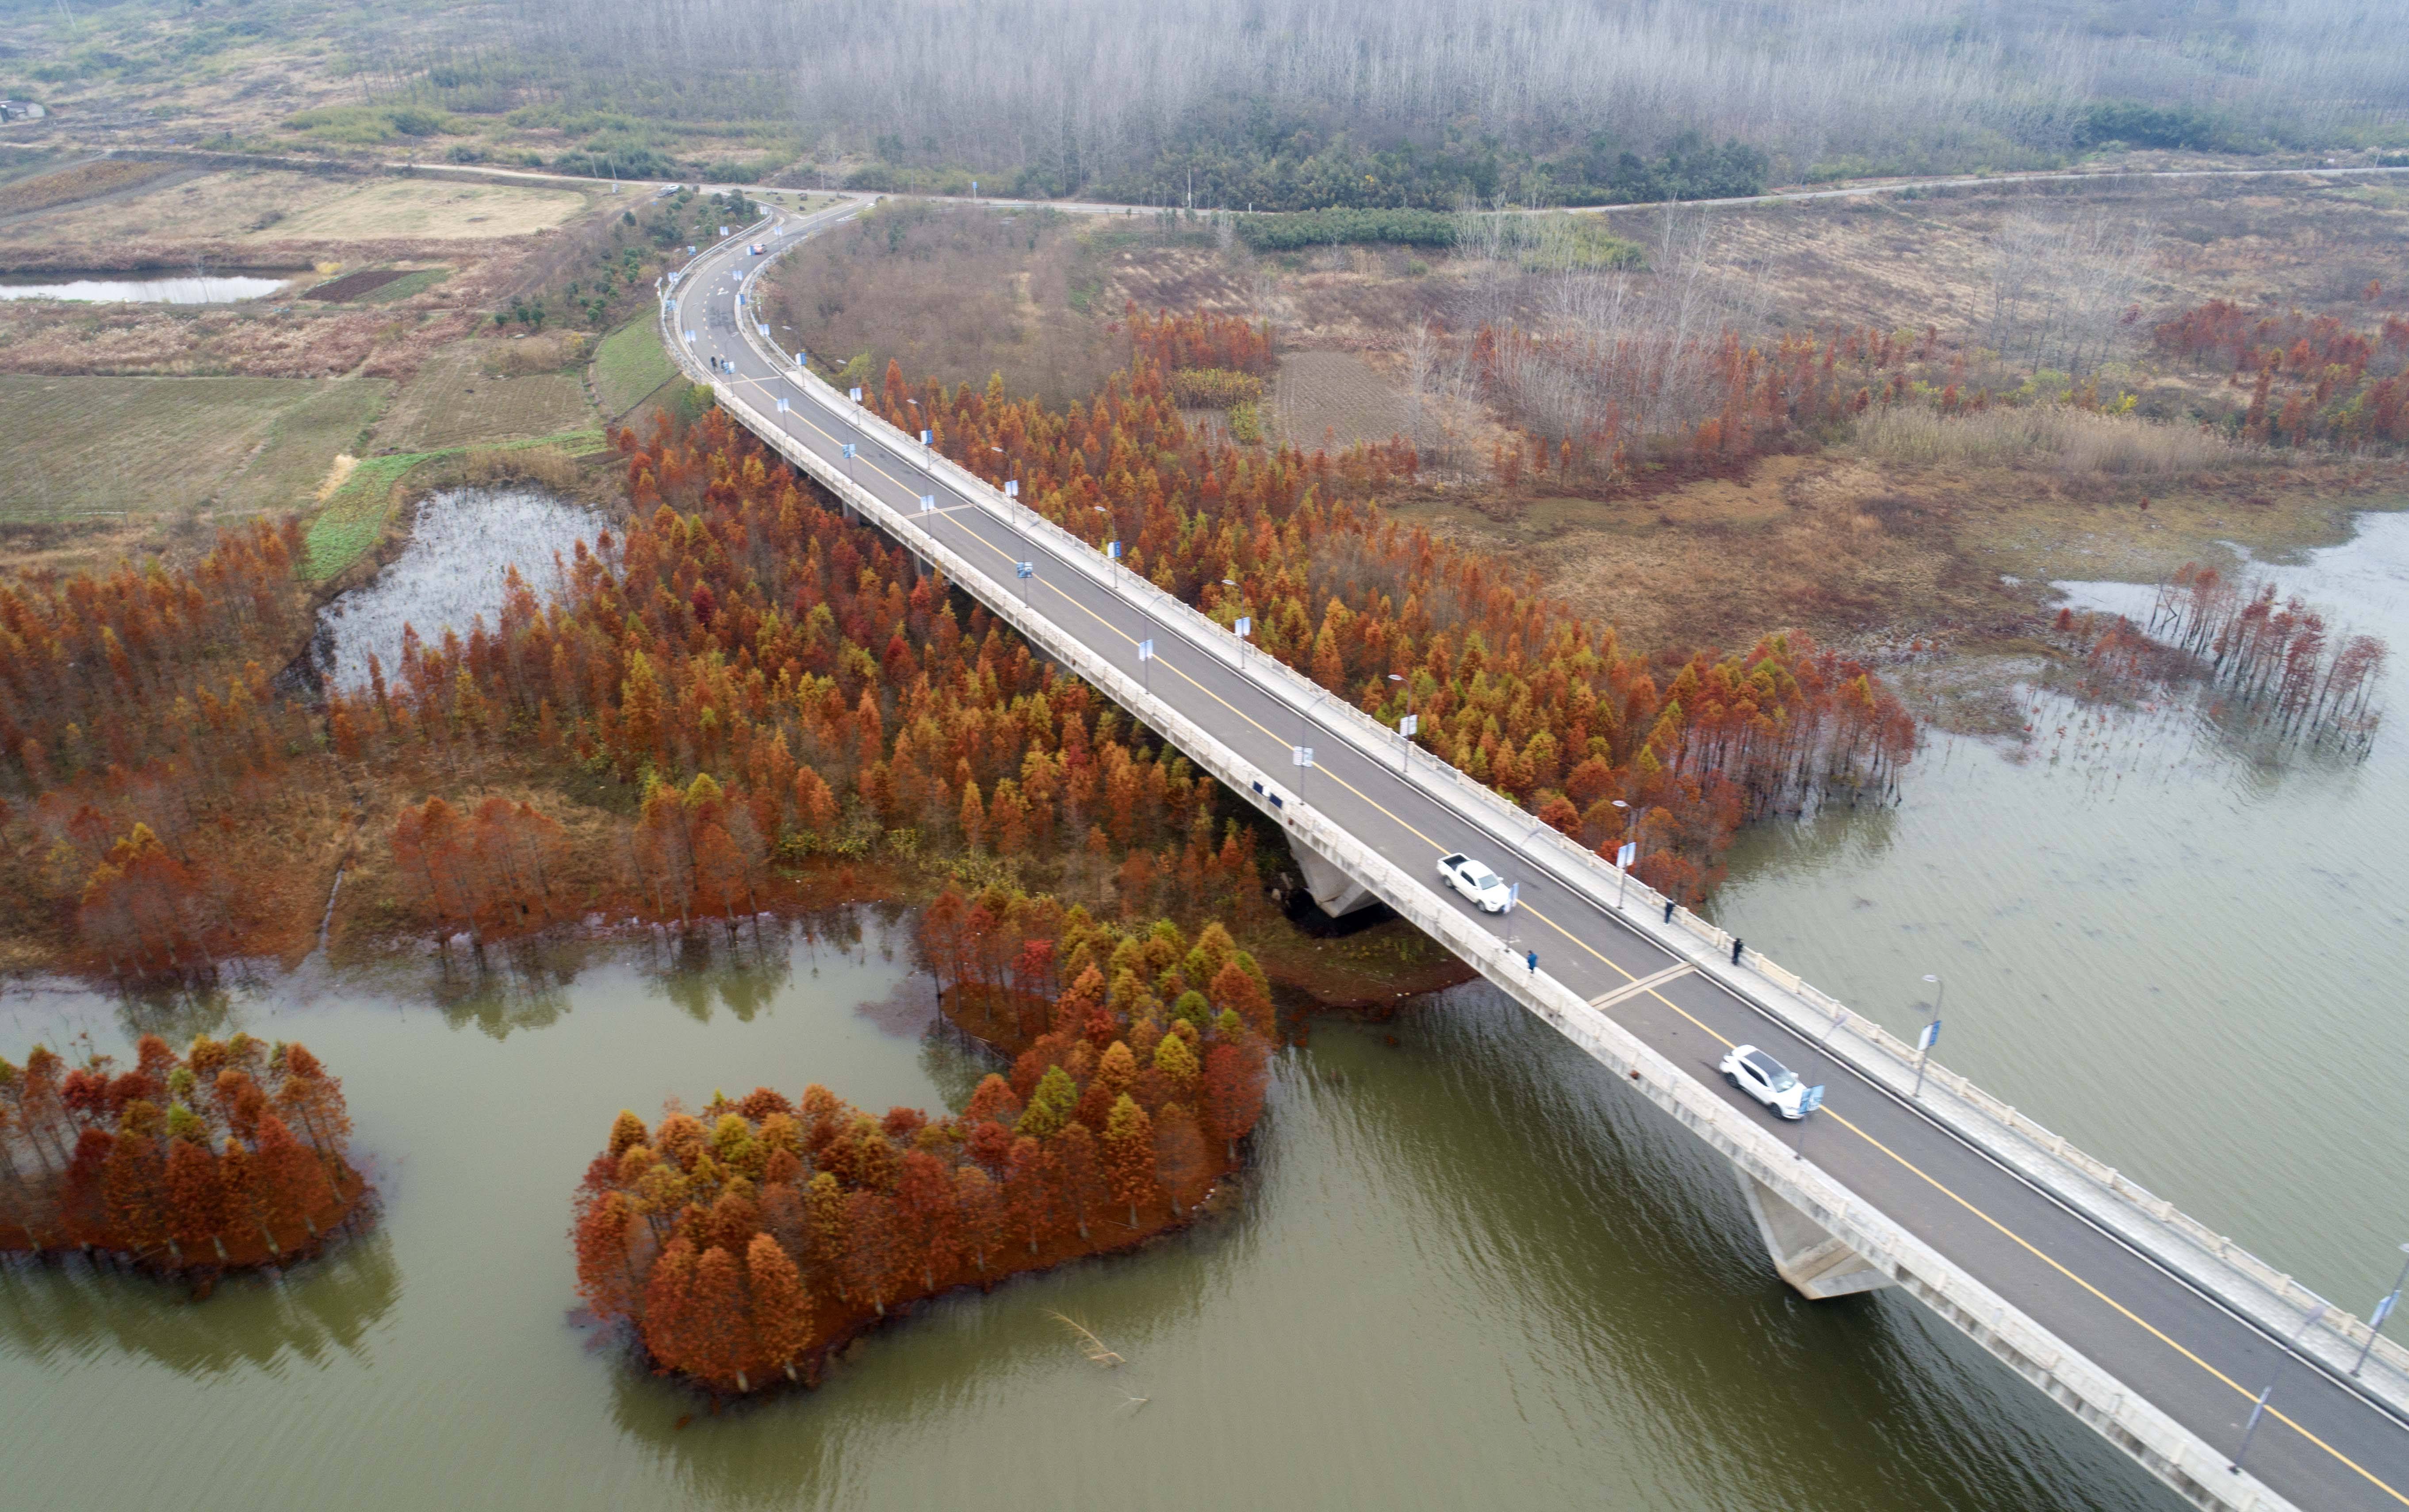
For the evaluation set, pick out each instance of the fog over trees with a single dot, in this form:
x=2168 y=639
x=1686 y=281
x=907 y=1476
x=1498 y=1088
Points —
x=1090 y=92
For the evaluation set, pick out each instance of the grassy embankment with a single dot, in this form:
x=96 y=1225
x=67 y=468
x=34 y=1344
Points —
x=629 y=366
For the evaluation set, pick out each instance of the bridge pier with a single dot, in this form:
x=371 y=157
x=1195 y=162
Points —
x=1817 y=1266
x=1331 y=885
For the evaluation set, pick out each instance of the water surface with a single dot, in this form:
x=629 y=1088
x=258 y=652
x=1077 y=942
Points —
x=454 y=573
x=2180 y=950
x=1468 y=1269
x=202 y=289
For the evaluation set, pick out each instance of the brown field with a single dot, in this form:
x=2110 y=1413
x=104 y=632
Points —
x=255 y=209
x=353 y=285
x=97 y=469
x=1893 y=261
x=956 y=295
x=152 y=445
x=302 y=445
x=430 y=209
x=1905 y=539
x=454 y=401
x=80 y=181
x=226 y=203
x=1334 y=400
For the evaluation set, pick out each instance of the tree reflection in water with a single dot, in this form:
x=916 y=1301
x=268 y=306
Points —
x=317 y=1310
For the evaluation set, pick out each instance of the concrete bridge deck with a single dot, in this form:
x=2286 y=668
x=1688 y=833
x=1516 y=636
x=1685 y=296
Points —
x=2142 y=1322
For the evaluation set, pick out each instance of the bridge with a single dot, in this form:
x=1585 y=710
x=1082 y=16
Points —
x=2147 y=1325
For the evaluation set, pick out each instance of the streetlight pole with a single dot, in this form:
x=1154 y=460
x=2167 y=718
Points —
x=2259 y=1409
x=2383 y=1311
x=1405 y=729
x=1925 y=1041
x=1630 y=820
x=1239 y=626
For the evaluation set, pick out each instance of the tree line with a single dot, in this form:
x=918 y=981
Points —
x=778 y=685
x=146 y=760
x=741 y=1244
x=1510 y=687
x=232 y=1153
x=2312 y=377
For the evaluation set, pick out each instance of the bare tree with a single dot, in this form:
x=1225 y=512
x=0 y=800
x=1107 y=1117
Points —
x=1089 y=89
x=1421 y=357
x=2061 y=287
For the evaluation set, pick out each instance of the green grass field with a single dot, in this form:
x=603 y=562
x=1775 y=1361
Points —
x=630 y=364
x=406 y=285
x=90 y=446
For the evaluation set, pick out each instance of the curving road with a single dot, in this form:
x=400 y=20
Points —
x=2323 y=1444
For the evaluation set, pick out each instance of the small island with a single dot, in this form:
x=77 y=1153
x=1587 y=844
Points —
x=230 y=1156
x=741 y=1245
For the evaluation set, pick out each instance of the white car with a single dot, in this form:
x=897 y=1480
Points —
x=757 y=249
x=1766 y=1079
x=1476 y=882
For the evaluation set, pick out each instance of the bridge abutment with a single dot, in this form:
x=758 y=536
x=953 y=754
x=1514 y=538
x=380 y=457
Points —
x=1817 y=1266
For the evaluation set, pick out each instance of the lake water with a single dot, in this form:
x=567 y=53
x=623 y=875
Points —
x=2187 y=958
x=1467 y=1268
x=223 y=290
x=462 y=544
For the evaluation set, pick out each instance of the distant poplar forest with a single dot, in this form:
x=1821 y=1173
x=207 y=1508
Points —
x=1418 y=104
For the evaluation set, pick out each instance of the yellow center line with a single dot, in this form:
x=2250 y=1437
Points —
x=2128 y=1312
x=1936 y=1183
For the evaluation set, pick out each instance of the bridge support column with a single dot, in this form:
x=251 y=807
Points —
x=1817 y=1265
x=1332 y=887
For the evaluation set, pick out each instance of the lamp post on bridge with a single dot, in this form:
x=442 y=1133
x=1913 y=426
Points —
x=1624 y=854
x=2383 y=1311
x=1407 y=728
x=2259 y=1408
x=1242 y=627
x=1932 y=1034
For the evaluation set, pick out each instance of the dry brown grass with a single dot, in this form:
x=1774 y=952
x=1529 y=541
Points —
x=84 y=180
x=1895 y=262
x=959 y=293
x=549 y=466
x=1335 y=400
x=453 y=402
x=430 y=209
x=546 y=354
x=2059 y=436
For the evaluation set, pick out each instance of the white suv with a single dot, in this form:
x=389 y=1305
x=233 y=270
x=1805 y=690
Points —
x=1476 y=882
x=1766 y=1079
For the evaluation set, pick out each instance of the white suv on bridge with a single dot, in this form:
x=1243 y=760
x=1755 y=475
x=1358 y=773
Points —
x=1476 y=882
x=1766 y=1079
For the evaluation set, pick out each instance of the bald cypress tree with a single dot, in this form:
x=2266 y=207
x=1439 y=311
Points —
x=1128 y=1154
x=781 y=1308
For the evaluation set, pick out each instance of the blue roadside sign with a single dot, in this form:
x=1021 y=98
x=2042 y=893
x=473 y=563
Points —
x=1809 y=1100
